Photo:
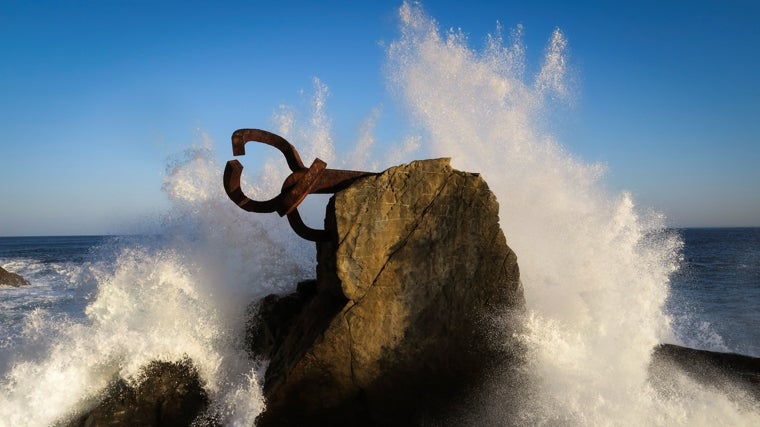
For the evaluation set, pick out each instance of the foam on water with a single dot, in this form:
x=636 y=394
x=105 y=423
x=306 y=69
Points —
x=595 y=269
x=182 y=295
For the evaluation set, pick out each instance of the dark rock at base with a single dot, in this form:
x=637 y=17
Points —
x=167 y=394
x=725 y=371
x=399 y=327
x=11 y=279
x=271 y=319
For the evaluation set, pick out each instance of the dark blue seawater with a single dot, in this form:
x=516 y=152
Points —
x=715 y=296
x=53 y=266
x=48 y=250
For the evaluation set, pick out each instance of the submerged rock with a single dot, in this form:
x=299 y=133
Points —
x=11 y=279
x=398 y=327
x=728 y=372
x=166 y=394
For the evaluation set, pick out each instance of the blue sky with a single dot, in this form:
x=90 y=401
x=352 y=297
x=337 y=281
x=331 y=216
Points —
x=96 y=95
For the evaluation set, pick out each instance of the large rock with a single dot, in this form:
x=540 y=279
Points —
x=399 y=326
x=11 y=279
x=166 y=394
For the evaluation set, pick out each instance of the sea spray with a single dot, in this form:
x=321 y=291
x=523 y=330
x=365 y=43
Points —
x=595 y=269
x=182 y=294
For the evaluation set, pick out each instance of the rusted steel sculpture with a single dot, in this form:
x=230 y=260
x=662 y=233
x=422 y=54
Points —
x=299 y=184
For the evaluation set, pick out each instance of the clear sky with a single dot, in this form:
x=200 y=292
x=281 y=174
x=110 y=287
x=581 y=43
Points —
x=96 y=95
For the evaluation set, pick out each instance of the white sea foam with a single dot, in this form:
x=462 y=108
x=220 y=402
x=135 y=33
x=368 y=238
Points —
x=595 y=269
x=183 y=295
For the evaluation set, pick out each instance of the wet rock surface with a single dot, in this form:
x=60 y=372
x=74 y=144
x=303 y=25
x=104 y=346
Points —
x=166 y=394
x=399 y=326
x=8 y=278
x=728 y=372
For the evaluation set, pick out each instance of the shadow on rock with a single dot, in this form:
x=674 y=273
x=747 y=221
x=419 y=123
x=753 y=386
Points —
x=166 y=394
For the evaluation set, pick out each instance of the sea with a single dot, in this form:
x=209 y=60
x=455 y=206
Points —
x=713 y=303
x=605 y=279
x=713 y=298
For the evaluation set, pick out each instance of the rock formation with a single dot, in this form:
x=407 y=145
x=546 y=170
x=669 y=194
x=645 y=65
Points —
x=728 y=372
x=11 y=279
x=166 y=394
x=398 y=328
x=399 y=325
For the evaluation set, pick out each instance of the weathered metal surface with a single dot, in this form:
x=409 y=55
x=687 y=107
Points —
x=299 y=184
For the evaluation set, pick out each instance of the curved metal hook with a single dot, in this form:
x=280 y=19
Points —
x=232 y=172
x=303 y=230
x=241 y=136
x=299 y=184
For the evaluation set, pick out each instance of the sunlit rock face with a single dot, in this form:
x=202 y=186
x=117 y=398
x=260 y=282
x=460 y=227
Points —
x=400 y=325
